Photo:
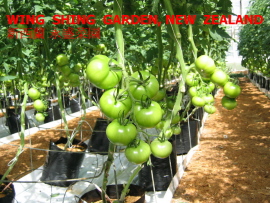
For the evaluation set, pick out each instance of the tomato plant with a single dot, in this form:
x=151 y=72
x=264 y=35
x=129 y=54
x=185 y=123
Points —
x=161 y=149
x=143 y=84
x=114 y=103
x=138 y=153
x=121 y=133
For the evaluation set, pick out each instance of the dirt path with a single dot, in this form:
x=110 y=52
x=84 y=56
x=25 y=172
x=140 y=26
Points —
x=233 y=161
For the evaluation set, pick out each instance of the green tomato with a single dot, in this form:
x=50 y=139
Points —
x=114 y=107
x=121 y=134
x=205 y=65
x=39 y=105
x=98 y=69
x=138 y=154
x=101 y=47
x=176 y=130
x=61 y=60
x=78 y=67
x=231 y=90
x=148 y=117
x=161 y=124
x=161 y=149
x=197 y=101
x=208 y=108
x=175 y=119
x=160 y=95
x=66 y=70
x=40 y=117
x=100 y=73
x=112 y=79
x=219 y=77
x=192 y=79
x=193 y=91
x=228 y=103
x=140 y=87
x=33 y=93
x=74 y=78
x=208 y=98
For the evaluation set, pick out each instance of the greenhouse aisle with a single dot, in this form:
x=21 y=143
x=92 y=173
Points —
x=232 y=163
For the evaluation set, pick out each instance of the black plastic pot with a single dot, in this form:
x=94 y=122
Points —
x=99 y=142
x=14 y=120
x=74 y=106
x=163 y=172
x=62 y=165
x=9 y=192
x=53 y=114
x=3 y=102
x=267 y=84
x=66 y=101
x=185 y=140
x=199 y=115
x=112 y=190
x=262 y=81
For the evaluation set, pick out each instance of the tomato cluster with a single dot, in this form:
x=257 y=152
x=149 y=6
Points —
x=131 y=109
x=202 y=82
x=69 y=76
x=39 y=105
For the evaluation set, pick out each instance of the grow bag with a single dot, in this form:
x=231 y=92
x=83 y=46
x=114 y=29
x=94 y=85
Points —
x=163 y=172
x=74 y=106
x=262 y=81
x=9 y=194
x=99 y=142
x=184 y=141
x=136 y=194
x=62 y=165
x=65 y=101
x=267 y=84
x=53 y=114
x=14 y=120
x=199 y=115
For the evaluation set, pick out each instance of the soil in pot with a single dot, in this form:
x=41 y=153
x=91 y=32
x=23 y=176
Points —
x=61 y=164
x=136 y=194
x=8 y=195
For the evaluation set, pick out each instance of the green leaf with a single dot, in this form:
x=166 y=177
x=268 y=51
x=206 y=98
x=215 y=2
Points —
x=218 y=33
x=8 y=77
x=38 y=8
